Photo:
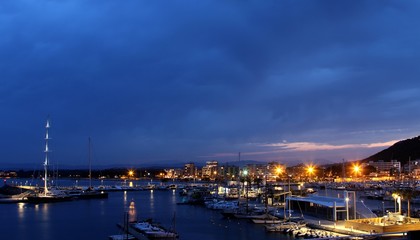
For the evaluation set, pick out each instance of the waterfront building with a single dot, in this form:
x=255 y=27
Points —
x=329 y=208
x=393 y=167
x=190 y=170
x=210 y=170
x=8 y=174
x=412 y=168
x=344 y=207
x=172 y=173
x=416 y=173
x=256 y=171
x=229 y=172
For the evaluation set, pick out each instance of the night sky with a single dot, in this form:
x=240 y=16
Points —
x=154 y=82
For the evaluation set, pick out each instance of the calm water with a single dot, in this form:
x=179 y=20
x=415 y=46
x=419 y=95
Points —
x=96 y=219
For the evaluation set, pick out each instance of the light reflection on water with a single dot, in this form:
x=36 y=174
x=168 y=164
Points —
x=102 y=207
x=152 y=202
x=97 y=218
x=21 y=211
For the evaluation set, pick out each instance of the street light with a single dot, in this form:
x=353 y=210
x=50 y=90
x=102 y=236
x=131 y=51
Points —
x=399 y=204
x=245 y=173
x=357 y=169
x=310 y=170
x=347 y=207
x=279 y=171
x=130 y=173
x=395 y=196
x=383 y=208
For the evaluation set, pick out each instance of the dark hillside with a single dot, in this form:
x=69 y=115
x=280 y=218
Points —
x=401 y=151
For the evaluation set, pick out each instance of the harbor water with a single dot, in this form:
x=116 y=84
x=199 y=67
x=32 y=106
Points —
x=97 y=218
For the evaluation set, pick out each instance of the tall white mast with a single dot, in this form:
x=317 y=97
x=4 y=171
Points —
x=46 y=162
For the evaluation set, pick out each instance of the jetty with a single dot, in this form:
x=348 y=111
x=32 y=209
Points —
x=132 y=231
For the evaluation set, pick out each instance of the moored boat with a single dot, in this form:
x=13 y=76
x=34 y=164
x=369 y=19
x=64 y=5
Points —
x=122 y=237
x=152 y=230
x=90 y=192
x=267 y=221
x=47 y=194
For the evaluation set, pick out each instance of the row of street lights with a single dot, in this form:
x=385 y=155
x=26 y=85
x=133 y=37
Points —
x=311 y=170
x=280 y=170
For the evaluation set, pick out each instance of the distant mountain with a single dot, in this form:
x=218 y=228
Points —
x=241 y=163
x=401 y=151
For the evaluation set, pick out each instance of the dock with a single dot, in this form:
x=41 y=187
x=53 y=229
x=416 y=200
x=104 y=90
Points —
x=349 y=232
x=134 y=232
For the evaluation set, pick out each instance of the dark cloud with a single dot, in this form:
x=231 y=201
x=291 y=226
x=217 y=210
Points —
x=176 y=80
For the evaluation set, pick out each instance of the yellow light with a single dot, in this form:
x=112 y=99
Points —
x=130 y=173
x=356 y=168
x=310 y=169
x=279 y=170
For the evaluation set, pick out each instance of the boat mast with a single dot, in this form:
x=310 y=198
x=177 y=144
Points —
x=90 y=166
x=46 y=162
x=239 y=177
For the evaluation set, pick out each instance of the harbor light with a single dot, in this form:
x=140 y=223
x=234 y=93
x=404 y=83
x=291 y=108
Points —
x=310 y=170
x=357 y=169
x=397 y=198
x=399 y=204
x=279 y=170
x=347 y=207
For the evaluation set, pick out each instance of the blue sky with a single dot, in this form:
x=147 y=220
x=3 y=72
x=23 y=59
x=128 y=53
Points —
x=179 y=81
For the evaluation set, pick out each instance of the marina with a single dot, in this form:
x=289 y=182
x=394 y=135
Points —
x=161 y=204
x=211 y=120
x=98 y=218
x=345 y=210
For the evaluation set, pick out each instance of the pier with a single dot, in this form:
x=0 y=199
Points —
x=132 y=231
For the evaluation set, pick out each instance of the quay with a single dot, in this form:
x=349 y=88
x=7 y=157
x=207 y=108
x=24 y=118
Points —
x=359 y=234
x=132 y=231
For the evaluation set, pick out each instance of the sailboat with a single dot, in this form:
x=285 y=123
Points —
x=48 y=194
x=91 y=193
